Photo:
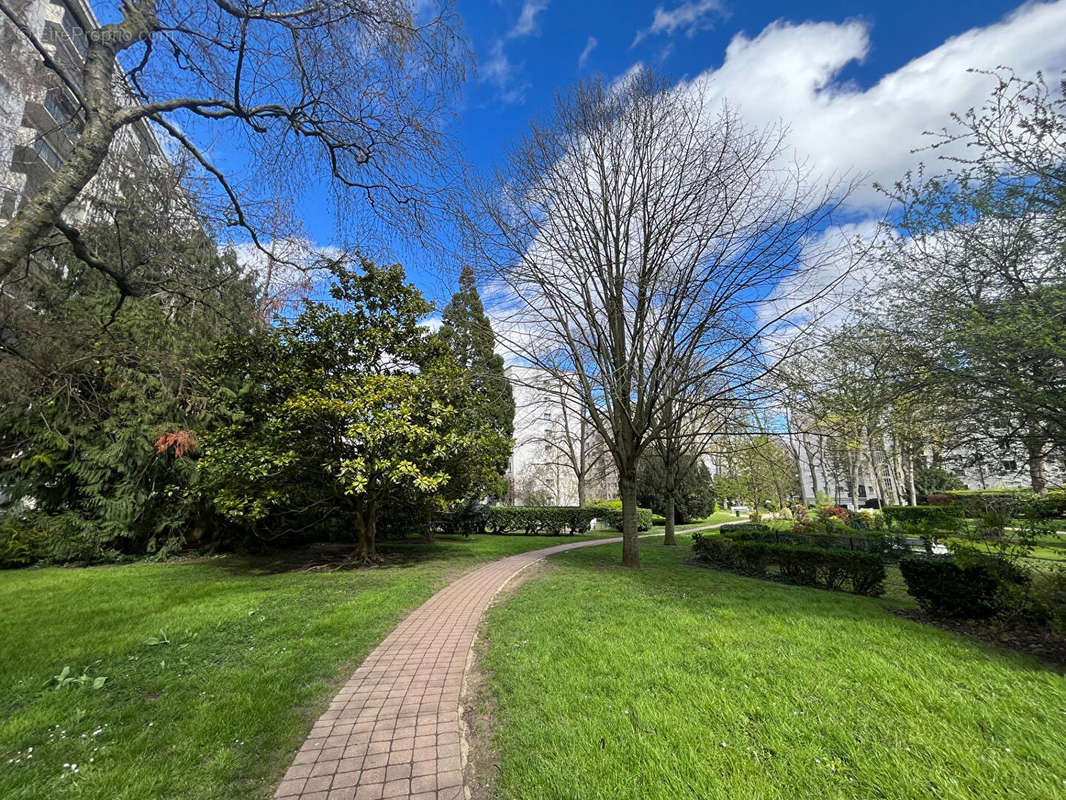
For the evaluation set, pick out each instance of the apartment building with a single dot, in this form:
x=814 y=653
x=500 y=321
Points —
x=39 y=117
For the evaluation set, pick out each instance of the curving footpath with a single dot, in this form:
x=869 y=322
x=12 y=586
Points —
x=393 y=729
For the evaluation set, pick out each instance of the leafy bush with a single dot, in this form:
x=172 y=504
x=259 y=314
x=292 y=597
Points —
x=838 y=513
x=944 y=518
x=839 y=570
x=1048 y=598
x=800 y=536
x=539 y=520
x=611 y=513
x=973 y=589
x=21 y=543
x=1012 y=502
x=744 y=527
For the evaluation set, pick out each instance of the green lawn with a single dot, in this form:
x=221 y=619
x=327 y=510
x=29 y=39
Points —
x=217 y=712
x=682 y=682
x=716 y=517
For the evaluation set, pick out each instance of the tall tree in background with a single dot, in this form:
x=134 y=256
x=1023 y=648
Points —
x=350 y=407
x=637 y=233
x=467 y=332
x=978 y=262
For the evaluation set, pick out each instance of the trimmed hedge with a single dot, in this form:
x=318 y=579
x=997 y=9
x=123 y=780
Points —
x=861 y=542
x=943 y=518
x=611 y=513
x=538 y=520
x=744 y=527
x=838 y=570
x=1020 y=502
x=973 y=591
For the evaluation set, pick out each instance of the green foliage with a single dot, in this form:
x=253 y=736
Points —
x=694 y=495
x=834 y=539
x=349 y=410
x=103 y=395
x=467 y=333
x=539 y=520
x=932 y=519
x=1014 y=502
x=611 y=513
x=931 y=479
x=978 y=589
x=841 y=570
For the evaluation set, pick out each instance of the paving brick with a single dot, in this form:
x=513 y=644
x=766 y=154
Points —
x=392 y=731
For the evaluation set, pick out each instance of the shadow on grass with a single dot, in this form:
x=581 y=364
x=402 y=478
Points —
x=337 y=556
x=704 y=590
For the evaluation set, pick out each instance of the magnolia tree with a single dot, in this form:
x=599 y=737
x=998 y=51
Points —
x=633 y=237
x=352 y=407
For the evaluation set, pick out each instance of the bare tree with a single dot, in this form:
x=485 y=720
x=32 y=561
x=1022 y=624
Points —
x=635 y=236
x=350 y=89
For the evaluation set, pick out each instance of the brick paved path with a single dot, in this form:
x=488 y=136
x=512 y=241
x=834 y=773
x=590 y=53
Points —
x=393 y=730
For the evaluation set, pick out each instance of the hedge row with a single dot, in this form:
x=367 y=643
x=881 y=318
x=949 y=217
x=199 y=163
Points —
x=847 y=570
x=944 y=588
x=537 y=520
x=611 y=513
x=938 y=518
x=554 y=520
x=860 y=542
x=1020 y=502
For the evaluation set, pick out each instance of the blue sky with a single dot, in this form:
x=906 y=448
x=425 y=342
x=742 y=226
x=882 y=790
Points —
x=497 y=107
x=857 y=84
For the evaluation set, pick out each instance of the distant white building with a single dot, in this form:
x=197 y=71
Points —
x=558 y=458
x=882 y=477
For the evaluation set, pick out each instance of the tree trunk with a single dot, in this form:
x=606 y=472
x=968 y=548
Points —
x=853 y=476
x=799 y=474
x=627 y=488
x=1034 y=446
x=581 y=490
x=366 y=527
x=669 y=537
x=874 y=468
x=38 y=216
x=912 y=491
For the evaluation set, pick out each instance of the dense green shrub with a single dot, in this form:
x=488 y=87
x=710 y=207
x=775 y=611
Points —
x=538 y=520
x=873 y=542
x=744 y=527
x=34 y=537
x=973 y=589
x=840 y=570
x=1015 y=502
x=938 y=518
x=611 y=513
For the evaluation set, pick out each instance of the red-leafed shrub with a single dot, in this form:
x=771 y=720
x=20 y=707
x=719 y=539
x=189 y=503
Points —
x=178 y=443
x=838 y=513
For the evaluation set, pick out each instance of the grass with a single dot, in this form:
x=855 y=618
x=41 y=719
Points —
x=713 y=519
x=682 y=682
x=215 y=669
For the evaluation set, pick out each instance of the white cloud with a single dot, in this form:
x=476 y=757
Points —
x=501 y=72
x=590 y=45
x=789 y=73
x=498 y=69
x=690 y=17
x=527 y=19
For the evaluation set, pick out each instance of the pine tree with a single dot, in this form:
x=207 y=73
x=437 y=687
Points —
x=467 y=331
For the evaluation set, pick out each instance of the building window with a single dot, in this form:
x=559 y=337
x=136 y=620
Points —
x=862 y=490
x=47 y=153
x=1010 y=466
x=76 y=33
